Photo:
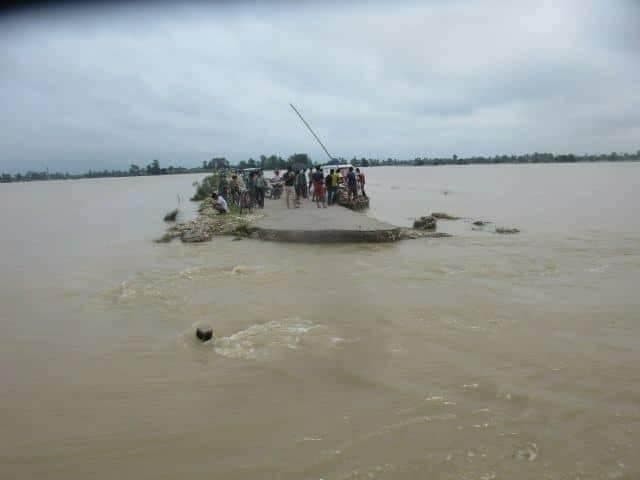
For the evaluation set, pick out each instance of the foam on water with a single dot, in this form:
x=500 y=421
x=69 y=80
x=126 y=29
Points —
x=126 y=291
x=262 y=341
x=244 y=269
x=528 y=452
x=189 y=272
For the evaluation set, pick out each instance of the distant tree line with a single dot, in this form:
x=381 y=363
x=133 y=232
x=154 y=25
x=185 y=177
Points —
x=527 y=158
x=275 y=162
x=303 y=160
x=153 y=168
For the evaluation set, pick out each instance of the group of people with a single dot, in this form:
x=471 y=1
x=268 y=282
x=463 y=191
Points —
x=255 y=184
x=323 y=189
x=298 y=185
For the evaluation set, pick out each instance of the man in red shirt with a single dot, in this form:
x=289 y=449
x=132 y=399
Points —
x=318 y=187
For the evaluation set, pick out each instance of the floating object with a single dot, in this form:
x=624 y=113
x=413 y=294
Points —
x=507 y=230
x=528 y=452
x=204 y=334
x=171 y=216
x=444 y=216
x=425 y=223
x=480 y=223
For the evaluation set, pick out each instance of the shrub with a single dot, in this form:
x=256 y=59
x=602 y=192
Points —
x=206 y=188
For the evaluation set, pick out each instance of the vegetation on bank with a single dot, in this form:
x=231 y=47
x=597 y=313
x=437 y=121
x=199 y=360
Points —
x=303 y=160
x=205 y=188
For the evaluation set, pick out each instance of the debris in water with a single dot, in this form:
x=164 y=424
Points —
x=171 y=216
x=444 y=216
x=166 y=238
x=507 y=230
x=529 y=452
x=425 y=223
x=204 y=334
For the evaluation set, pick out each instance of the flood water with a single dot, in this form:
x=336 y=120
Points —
x=480 y=356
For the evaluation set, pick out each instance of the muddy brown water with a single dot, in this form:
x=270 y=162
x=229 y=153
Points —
x=480 y=356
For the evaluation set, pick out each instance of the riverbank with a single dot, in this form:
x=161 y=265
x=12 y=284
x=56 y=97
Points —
x=210 y=223
x=308 y=224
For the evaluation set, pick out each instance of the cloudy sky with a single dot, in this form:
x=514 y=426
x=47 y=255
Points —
x=107 y=86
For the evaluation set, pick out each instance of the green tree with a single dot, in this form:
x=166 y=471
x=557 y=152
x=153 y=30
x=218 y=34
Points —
x=218 y=163
x=134 y=169
x=154 y=168
x=300 y=160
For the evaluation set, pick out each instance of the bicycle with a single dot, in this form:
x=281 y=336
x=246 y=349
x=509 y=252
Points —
x=246 y=201
x=234 y=197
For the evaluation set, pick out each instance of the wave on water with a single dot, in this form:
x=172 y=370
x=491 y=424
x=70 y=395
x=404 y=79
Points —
x=132 y=291
x=262 y=341
x=188 y=273
x=126 y=291
x=244 y=269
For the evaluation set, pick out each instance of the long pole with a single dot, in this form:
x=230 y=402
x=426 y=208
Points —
x=312 y=132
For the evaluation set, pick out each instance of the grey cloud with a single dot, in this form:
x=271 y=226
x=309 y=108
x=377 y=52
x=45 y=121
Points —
x=100 y=89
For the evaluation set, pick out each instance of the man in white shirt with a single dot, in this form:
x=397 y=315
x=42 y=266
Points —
x=219 y=203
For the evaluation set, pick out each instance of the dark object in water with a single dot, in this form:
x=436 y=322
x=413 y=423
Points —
x=480 y=223
x=444 y=216
x=171 y=216
x=204 y=334
x=166 y=238
x=507 y=230
x=425 y=223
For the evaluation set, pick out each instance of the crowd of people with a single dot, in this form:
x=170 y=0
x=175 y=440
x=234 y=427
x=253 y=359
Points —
x=298 y=185
x=322 y=189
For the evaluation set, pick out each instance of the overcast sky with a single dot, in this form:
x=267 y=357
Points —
x=106 y=87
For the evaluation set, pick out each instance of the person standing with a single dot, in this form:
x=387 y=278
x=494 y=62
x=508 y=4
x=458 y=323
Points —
x=310 y=187
x=251 y=186
x=301 y=186
x=360 y=176
x=327 y=186
x=260 y=187
x=318 y=187
x=352 y=184
x=234 y=190
x=289 y=179
x=223 y=185
x=335 y=182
